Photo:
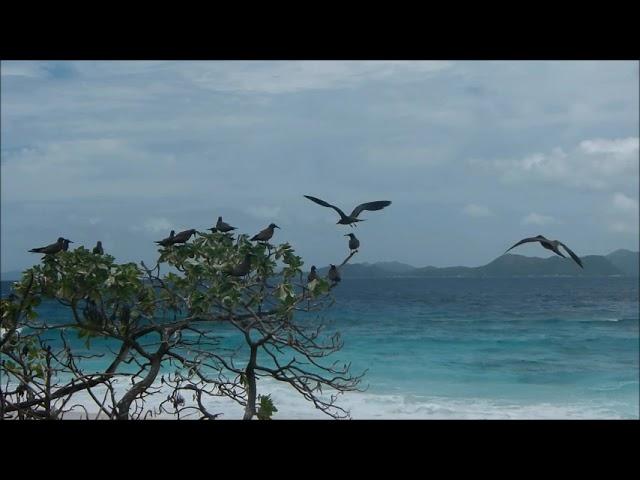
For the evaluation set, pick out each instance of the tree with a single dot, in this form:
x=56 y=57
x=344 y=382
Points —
x=152 y=321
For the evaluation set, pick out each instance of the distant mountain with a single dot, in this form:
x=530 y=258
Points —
x=621 y=262
x=618 y=263
x=392 y=267
x=626 y=261
x=361 y=270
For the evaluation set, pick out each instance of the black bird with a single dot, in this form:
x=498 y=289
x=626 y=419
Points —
x=334 y=274
x=353 y=217
x=243 y=268
x=312 y=274
x=165 y=242
x=98 y=248
x=183 y=237
x=266 y=234
x=550 y=245
x=354 y=243
x=223 y=227
x=61 y=244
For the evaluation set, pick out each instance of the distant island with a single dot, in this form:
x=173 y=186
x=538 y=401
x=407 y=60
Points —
x=622 y=262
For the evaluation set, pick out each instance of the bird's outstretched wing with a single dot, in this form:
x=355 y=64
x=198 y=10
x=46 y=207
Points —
x=573 y=255
x=325 y=204
x=377 y=205
x=525 y=240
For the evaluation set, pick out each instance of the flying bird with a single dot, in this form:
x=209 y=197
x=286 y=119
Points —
x=266 y=234
x=223 y=227
x=98 y=248
x=354 y=243
x=353 y=217
x=550 y=245
x=183 y=237
x=165 y=242
x=60 y=245
x=334 y=274
x=312 y=274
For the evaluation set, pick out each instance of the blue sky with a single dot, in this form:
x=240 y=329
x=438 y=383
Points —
x=474 y=155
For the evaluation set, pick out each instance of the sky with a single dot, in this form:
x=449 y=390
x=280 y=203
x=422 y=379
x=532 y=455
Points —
x=474 y=155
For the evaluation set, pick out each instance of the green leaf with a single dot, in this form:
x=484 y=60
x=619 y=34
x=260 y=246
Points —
x=266 y=408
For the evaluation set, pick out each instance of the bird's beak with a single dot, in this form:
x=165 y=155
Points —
x=278 y=227
x=69 y=241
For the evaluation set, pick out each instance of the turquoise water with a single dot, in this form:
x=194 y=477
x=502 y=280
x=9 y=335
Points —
x=481 y=348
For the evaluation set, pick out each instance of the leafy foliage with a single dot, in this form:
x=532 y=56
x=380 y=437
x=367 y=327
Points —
x=159 y=319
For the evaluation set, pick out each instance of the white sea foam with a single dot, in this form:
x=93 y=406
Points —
x=366 y=405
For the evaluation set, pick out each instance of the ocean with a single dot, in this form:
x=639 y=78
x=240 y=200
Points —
x=471 y=348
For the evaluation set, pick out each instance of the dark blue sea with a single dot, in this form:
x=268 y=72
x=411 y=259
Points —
x=475 y=348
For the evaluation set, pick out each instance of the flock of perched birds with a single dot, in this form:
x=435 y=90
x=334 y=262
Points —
x=243 y=268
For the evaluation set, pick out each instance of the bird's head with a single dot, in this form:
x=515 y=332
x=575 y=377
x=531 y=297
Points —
x=273 y=225
x=349 y=235
x=219 y=219
x=173 y=232
x=99 y=243
x=313 y=268
x=332 y=265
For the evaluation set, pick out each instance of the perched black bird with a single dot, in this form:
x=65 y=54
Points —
x=334 y=274
x=312 y=274
x=165 y=242
x=243 y=268
x=354 y=243
x=353 y=217
x=550 y=245
x=266 y=234
x=183 y=237
x=98 y=248
x=92 y=314
x=61 y=244
x=222 y=227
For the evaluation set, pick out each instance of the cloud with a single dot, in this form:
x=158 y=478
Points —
x=623 y=217
x=623 y=227
x=263 y=212
x=622 y=202
x=592 y=164
x=278 y=77
x=154 y=225
x=477 y=211
x=537 y=219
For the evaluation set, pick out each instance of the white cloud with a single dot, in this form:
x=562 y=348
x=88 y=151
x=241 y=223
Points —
x=537 y=219
x=594 y=164
x=276 y=77
x=263 y=212
x=154 y=225
x=623 y=216
x=477 y=211
x=622 y=202
x=21 y=69
x=402 y=156
x=623 y=227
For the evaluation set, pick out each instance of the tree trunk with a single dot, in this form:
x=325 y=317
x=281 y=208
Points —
x=250 y=409
x=125 y=402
